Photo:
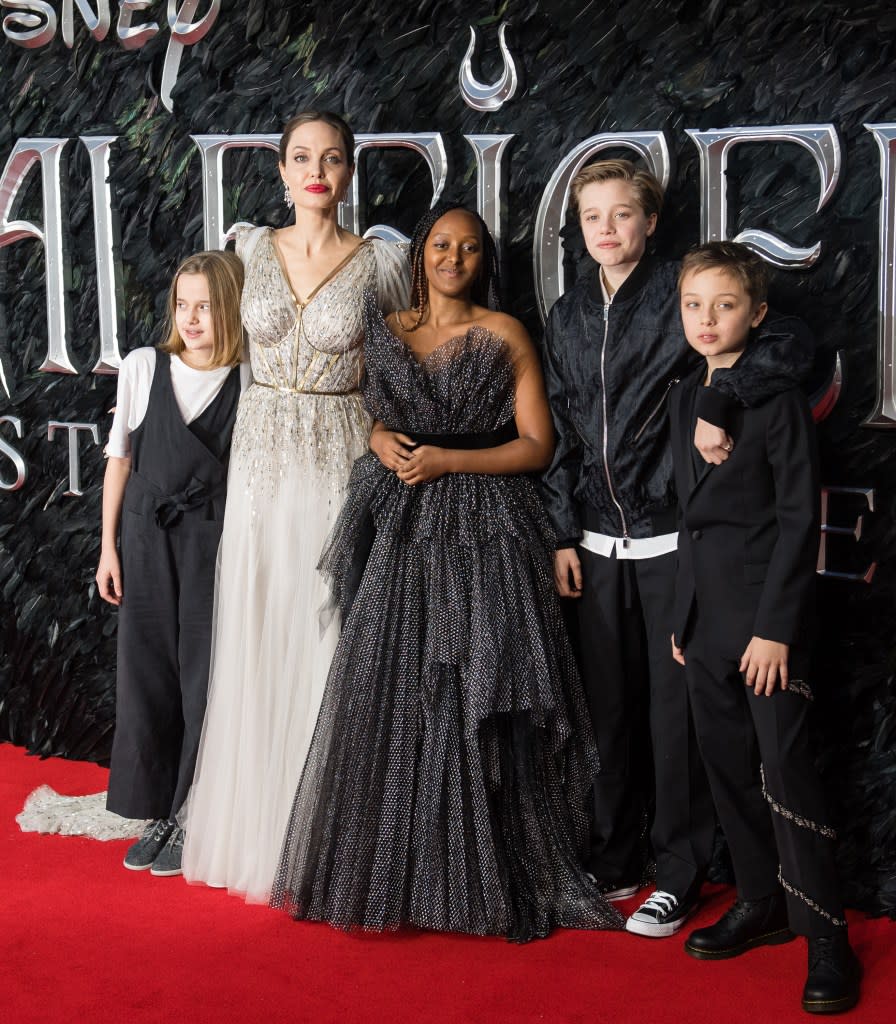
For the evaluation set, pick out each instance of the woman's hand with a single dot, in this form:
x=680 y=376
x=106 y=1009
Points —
x=108 y=577
x=424 y=464
x=391 y=448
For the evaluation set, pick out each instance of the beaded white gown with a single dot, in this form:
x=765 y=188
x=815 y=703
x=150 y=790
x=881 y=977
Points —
x=299 y=428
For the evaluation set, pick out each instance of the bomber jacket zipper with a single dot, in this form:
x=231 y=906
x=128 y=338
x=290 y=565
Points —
x=654 y=411
x=603 y=388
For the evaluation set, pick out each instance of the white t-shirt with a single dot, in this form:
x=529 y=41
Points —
x=194 y=391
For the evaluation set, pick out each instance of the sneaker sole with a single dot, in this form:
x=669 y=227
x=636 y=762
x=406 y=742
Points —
x=622 y=893
x=165 y=873
x=137 y=867
x=777 y=938
x=655 y=930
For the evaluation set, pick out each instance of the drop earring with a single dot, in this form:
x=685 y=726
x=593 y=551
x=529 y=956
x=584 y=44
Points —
x=287 y=197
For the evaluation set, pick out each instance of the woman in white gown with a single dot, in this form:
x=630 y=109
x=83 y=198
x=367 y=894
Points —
x=299 y=428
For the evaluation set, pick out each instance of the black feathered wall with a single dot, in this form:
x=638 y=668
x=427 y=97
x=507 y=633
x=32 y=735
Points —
x=585 y=68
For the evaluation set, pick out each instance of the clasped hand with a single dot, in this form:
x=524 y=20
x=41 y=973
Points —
x=411 y=464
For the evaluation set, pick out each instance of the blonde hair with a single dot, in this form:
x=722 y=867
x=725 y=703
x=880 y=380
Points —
x=223 y=271
x=648 y=191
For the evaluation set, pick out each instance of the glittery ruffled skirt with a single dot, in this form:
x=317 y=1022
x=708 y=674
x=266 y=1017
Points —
x=447 y=779
x=289 y=468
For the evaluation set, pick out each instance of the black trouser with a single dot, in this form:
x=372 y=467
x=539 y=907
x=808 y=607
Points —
x=625 y=612
x=737 y=732
x=164 y=646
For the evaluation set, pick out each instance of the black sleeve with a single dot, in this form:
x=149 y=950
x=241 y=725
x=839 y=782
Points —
x=778 y=357
x=560 y=479
x=790 y=579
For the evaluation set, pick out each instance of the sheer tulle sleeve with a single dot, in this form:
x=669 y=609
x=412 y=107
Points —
x=393 y=276
x=246 y=237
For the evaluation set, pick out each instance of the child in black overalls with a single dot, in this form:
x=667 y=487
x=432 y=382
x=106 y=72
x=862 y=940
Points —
x=165 y=487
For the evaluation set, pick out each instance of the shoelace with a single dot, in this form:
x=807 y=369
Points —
x=156 y=829
x=739 y=909
x=664 y=902
x=823 y=950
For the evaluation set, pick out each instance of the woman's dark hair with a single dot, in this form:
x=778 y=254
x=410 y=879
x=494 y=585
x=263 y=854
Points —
x=328 y=117
x=486 y=288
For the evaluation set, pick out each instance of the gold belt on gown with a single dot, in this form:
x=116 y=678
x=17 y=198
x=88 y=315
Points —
x=300 y=391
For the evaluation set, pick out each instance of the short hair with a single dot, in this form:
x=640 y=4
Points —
x=648 y=191
x=486 y=289
x=224 y=273
x=328 y=117
x=739 y=261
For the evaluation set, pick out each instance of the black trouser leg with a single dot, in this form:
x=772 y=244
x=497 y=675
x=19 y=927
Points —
x=195 y=546
x=805 y=841
x=684 y=820
x=610 y=641
x=148 y=718
x=737 y=730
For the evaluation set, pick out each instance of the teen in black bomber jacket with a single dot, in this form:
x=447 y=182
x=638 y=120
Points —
x=613 y=347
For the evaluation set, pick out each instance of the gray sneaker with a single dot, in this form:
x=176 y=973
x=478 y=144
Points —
x=168 y=861
x=141 y=855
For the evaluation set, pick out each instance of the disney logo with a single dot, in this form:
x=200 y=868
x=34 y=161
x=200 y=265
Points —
x=33 y=24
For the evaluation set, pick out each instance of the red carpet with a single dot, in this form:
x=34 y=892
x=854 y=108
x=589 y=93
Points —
x=84 y=940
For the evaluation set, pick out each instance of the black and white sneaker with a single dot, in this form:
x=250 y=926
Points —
x=613 y=891
x=168 y=861
x=660 y=915
x=142 y=853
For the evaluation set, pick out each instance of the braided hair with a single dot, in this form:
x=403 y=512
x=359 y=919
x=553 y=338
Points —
x=485 y=289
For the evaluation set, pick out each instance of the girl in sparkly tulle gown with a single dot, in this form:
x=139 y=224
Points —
x=299 y=428
x=447 y=780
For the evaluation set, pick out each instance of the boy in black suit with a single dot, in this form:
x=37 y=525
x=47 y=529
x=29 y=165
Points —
x=746 y=565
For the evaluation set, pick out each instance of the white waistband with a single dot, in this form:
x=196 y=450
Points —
x=630 y=547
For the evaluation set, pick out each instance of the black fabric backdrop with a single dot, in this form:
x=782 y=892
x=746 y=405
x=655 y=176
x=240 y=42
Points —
x=587 y=68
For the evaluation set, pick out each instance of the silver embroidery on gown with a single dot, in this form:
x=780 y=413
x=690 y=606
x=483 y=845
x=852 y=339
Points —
x=447 y=781
x=299 y=428
x=47 y=811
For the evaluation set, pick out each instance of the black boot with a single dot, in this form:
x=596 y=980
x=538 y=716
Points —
x=746 y=924
x=834 y=973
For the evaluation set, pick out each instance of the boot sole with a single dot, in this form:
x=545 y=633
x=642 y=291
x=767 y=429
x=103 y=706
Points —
x=777 y=938
x=846 y=1002
x=831 y=1005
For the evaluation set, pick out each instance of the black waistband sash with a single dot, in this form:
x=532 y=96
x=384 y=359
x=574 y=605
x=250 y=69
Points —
x=487 y=439
x=168 y=509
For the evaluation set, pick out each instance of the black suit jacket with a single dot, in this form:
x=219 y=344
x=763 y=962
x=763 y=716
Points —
x=749 y=530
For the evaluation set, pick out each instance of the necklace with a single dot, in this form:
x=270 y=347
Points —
x=421 y=317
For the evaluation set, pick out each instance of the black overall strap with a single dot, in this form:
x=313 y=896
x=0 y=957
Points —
x=174 y=469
